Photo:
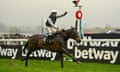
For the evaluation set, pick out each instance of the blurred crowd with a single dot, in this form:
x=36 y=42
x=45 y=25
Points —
x=14 y=36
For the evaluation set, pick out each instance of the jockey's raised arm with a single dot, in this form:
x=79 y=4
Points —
x=62 y=15
x=50 y=23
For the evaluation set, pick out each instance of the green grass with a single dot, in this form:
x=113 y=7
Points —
x=8 y=65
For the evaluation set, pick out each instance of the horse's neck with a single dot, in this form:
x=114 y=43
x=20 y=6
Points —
x=60 y=35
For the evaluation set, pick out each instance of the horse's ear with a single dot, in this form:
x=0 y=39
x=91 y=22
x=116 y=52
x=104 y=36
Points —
x=72 y=27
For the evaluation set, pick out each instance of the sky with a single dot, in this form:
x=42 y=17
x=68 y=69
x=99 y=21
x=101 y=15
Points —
x=96 y=13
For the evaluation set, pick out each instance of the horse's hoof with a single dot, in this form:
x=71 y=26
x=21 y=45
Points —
x=62 y=67
x=26 y=65
x=78 y=62
x=74 y=60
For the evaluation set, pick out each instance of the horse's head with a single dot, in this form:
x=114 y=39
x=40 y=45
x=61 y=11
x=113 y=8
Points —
x=72 y=33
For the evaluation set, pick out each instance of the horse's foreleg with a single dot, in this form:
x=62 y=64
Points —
x=62 y=60
x=70 y=55
x=66 y=52
x=27 y=57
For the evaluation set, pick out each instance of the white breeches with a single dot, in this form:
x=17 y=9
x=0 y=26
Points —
x=51 y=30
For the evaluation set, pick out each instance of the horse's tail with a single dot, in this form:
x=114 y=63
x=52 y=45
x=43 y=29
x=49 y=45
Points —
x=25 y=46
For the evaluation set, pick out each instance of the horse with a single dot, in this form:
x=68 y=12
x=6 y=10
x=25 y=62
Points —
x=58 y=44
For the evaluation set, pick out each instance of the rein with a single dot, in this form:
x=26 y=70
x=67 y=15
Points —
x=63 y=33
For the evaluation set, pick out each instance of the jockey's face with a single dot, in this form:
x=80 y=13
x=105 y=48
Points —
x=54 y=14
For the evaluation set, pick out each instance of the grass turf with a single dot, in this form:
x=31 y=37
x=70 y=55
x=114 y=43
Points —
x=8 y=65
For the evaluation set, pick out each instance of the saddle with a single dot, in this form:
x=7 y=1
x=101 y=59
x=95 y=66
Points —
x=47 y=39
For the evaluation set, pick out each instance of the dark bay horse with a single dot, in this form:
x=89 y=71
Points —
x=58 y=44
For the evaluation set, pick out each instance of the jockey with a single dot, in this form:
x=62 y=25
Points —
x=50 y=23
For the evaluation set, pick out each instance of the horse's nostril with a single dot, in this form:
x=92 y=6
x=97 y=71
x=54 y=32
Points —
x=78 y=40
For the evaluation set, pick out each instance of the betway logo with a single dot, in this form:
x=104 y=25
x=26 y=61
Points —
x=110 y=43
x=42 y=53
x=10 y=52
x=92 y=53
